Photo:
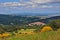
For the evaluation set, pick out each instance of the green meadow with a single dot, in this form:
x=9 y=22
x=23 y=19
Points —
x=51 y=35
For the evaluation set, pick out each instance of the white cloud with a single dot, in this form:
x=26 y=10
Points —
x=30 y=4
x=11 y=4
x=40 y=1
x=44 y=1
x=45 y=6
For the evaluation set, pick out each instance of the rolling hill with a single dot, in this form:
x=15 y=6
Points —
x=20 y=20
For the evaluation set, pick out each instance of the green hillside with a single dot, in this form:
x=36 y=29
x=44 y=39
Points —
x=52 y=35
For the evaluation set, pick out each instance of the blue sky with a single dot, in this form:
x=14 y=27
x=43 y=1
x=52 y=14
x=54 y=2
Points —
x=29 y=6
x=9 y=0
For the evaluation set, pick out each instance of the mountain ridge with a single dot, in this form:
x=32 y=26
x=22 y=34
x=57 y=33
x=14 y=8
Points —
x=20 y=20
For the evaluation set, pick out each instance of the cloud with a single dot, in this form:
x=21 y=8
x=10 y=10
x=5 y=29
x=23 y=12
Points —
x=40 y=1
x=44 y=1
x=30 y=4
x=11 y=4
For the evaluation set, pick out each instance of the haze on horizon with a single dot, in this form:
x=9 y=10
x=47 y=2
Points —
x=29 y=6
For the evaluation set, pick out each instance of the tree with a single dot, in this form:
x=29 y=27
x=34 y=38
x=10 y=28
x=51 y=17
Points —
x=1 y=29
x=55 y=24
x=39 y=27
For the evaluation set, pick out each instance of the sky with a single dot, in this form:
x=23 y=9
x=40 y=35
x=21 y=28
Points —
x=29 y=6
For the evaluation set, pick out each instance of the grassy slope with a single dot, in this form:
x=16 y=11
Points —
x=53 y=35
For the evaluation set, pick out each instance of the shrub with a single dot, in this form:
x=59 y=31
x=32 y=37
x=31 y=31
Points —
x=4 y=35
x=39 y=27
x=46 y=28
x=55 y=24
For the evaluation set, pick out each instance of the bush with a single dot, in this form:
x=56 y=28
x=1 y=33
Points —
x=46 y=28
x=4 y=35
x=55 y=24
x=39 y=27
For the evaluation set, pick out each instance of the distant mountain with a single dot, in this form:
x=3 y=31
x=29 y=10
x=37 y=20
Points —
x=16 y=20
x=35 y=14
x=20 y=20
x=47 y=20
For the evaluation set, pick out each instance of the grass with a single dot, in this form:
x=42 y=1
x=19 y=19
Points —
x=52 y=35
